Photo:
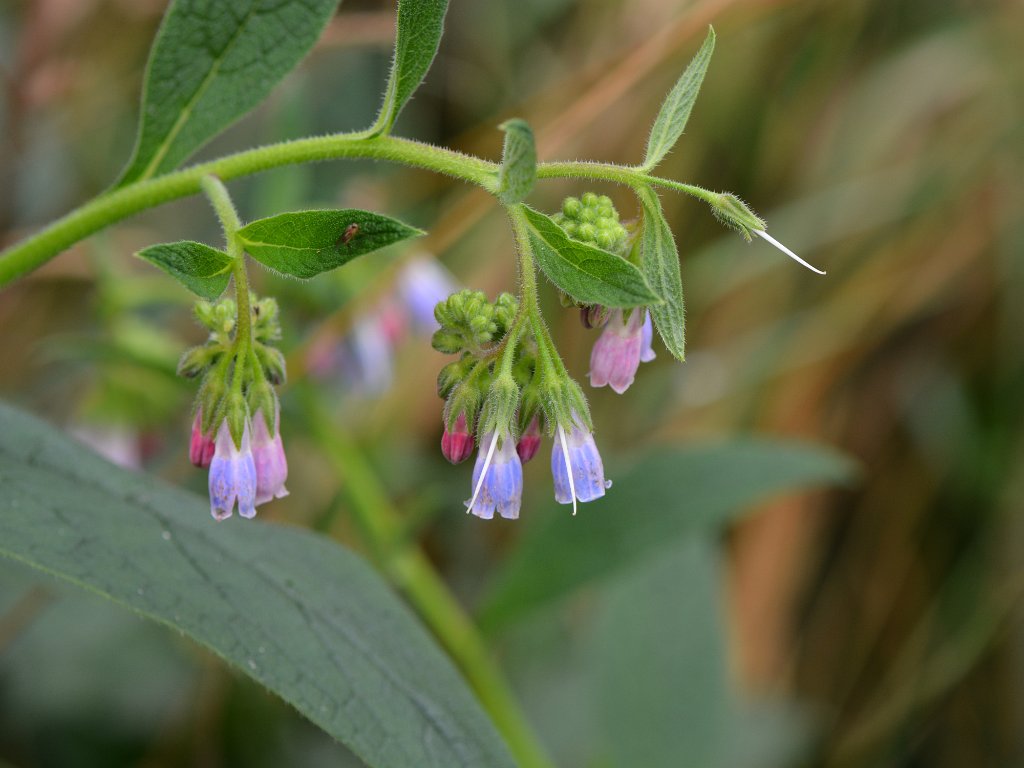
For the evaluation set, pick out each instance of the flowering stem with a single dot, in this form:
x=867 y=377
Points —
x=120 y=203
x=412 y=573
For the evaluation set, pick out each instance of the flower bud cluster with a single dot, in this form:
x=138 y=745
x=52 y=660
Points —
x=236 y=429
x=592 y=219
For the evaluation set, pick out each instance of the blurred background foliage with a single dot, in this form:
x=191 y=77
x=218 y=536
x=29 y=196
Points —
x=876 y=624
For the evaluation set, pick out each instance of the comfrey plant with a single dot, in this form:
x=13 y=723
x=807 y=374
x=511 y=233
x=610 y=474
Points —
x=508 y=386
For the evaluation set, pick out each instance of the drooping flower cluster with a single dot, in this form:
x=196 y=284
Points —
x=507 y=393
x=236 y=430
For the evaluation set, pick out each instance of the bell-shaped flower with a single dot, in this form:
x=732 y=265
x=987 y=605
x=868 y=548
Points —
x=646 y=337
x=619 y=350
x=576 y=466
x=268 y=458
x=200 y=447
x=232 y=476
x=497 y=478
x=457 y=443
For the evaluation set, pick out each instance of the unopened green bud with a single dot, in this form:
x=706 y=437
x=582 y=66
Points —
x=453 y=374
x=267 y=325
x=272 y=362
x=589 y=199
x=198 y=360
x=571 y=207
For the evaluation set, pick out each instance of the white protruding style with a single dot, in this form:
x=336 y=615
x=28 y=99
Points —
x=568 y=467
x=764 y=235
x=483 y=472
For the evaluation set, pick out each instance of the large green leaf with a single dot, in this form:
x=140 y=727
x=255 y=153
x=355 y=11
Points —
x=675 y=110
x=420 y=26
x=305 y=243
x=589 y=274
x=213 y=61
x=660 y=265
x=659 y=499
x=294 y=611
x=663 y=698
x=203 y=270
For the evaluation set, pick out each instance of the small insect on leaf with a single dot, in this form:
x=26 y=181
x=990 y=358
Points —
x=346 y=237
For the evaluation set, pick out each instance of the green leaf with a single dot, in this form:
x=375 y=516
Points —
x=589 y=274
x=663 y=497
x=203 y=270
x=660 y=265
x=306 y=243
x=212 y=62
x=518 y=162
x=662 y=691
x=675 y=110
x=420 y=25
x=290 y=609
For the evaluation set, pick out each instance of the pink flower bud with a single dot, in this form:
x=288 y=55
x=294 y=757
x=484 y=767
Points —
x=457 y=445
x=200 y=447
x=529 y=441
x=618 y=351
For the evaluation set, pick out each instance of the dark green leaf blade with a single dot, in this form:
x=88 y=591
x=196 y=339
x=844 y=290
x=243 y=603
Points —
x=587 y=273
x=518 y=162
x=660 y=265
x=305 y=243
x=211 y=63
x=675 y=110
x=294 y=611
x=663 y=497
x=420 y=26
x=663 y=697
x=203 y=270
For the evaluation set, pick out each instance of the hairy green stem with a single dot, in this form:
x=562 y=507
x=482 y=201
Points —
x=412 y=573
x=620 y=174
x=119 y=204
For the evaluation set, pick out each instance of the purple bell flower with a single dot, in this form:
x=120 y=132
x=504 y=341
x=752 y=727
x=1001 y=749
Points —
x=269 y=459
x=646 y=337
x=232 y=476
x=576 y=466
x=497 y=478
x=619 y=350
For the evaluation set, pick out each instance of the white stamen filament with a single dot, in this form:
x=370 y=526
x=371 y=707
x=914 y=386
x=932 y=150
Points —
x=483 y=472
x=785 y=250
x=568 y=467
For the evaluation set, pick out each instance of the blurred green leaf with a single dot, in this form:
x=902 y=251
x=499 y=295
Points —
x=211 y=63
x=420 y=26
x=663 y=698
x=659 y=499
x=306 y=243
x=587 y=273
x=675 y=110
x=518 y=162
x=292 y=610
x=203 y=270
x=660 y=265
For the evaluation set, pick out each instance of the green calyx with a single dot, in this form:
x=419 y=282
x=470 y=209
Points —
x=734 y=213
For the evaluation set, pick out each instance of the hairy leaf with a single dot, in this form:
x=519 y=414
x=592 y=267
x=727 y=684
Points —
x=660 y=265
x=663 y=497
x=675 y=110
x=420 y=25
x=306 y=243
x=203 y=270
x=589 y=274
x=213 y=61
x=292 y=610
x=518 y=162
